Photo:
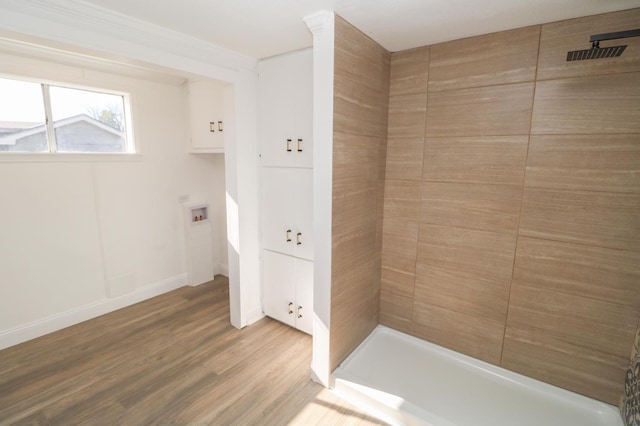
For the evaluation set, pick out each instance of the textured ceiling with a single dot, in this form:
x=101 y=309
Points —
x=263 y=28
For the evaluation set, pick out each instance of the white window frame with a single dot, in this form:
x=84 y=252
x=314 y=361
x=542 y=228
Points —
x=132 y=150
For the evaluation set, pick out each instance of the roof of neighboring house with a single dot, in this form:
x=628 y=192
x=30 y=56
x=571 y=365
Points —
x=9 y=127
x=11 y=138
x=18 y=125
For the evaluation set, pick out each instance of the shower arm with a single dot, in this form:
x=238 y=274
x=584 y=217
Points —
x=596 y=39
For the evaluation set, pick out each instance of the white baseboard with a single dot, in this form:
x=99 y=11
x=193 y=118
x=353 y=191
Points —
x=254 y=316
x=222 y=269
x=62 y=320
x=219 y=269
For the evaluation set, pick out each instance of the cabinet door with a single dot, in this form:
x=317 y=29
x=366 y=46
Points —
x=206 y=111
x=302 y=81
x=285 y=110
x=279 y=287
x=302 y=192
x=276 y=112
x=304 y=295
x=278 y=210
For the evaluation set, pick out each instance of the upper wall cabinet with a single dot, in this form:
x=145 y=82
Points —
x=285 y=110
x=206 y=116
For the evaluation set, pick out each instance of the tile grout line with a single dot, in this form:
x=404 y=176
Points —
x=524 y=176
x=424 y=148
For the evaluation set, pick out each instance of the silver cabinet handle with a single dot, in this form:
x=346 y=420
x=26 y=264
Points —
x=288 y=145
x=290 y=308
x=299 y=145
x=288 y=235
x=299 y=311
x=298 y=242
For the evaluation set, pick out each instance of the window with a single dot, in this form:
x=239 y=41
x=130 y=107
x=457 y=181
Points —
x=46 y=118
x=21 y=116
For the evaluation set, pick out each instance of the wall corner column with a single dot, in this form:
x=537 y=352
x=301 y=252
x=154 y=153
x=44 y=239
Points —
x=321 y=24
x=241 y=169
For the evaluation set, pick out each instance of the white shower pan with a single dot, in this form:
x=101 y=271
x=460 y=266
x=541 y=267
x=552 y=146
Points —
x=407 y=381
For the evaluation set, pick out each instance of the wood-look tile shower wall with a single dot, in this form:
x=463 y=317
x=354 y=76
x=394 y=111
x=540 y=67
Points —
x=361 y=97
x=512 y=201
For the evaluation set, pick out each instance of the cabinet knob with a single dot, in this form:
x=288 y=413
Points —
x=299 y=145
x=298 y=242
x=288 y=235
x=288 y=145
x=299 y=311
x=290 y=308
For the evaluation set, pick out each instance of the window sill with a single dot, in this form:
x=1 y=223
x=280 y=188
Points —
x=25 y=157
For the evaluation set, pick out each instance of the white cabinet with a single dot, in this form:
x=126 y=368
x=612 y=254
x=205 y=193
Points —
x=287 y=214
x=289 y=293
x=285 y=128
x=206 y=116
x=285 y=108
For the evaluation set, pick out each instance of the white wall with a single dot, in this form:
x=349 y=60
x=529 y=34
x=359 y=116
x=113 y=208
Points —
x=219 y=221
x=79 y=238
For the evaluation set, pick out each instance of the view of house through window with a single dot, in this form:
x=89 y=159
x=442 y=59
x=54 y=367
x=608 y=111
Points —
x=79 y=121
x=22 y=117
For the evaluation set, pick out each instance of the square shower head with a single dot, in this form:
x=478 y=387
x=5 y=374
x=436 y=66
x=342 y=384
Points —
x=595 y=53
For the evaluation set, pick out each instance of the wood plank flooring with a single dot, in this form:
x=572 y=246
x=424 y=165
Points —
x=171 y=360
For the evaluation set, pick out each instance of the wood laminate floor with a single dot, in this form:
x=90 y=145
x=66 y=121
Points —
x=171 y=360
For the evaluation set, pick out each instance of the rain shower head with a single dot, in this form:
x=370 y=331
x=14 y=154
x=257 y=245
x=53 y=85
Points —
x=597 y=52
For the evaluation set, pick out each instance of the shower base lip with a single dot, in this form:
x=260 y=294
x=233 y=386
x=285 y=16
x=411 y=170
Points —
x=408 y=381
